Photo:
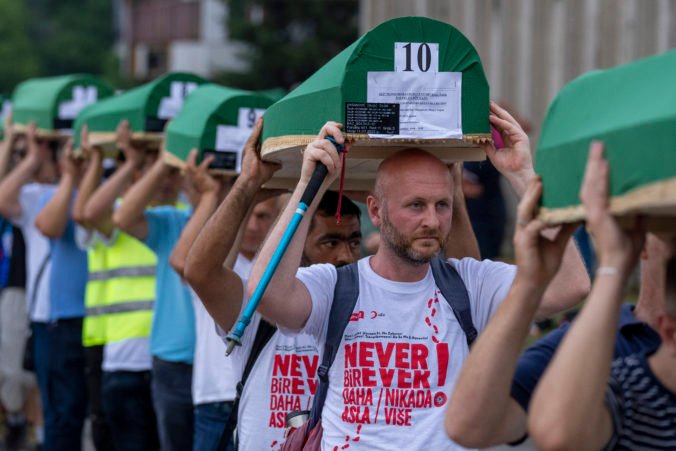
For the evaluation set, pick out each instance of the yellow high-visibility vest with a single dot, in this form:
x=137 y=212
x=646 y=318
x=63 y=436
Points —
x=120 y=291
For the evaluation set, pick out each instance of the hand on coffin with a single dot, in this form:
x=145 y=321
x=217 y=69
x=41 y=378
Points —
x=538 y=257
x=618 y=249
x=69 y=164
x=253 y=167
x=198 y=175
x=132 y=154
x=514 y=160
x=323 y=151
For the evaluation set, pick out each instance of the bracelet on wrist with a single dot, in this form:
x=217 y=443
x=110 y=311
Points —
x=607 y=271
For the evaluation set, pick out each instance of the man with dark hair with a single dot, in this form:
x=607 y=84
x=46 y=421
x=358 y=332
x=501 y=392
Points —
x=260 y=416
x=330 y=242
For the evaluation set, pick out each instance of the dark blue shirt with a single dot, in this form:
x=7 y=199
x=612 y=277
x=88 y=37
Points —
x=633 y=337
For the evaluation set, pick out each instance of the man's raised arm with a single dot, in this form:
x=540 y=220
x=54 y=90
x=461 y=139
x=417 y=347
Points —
x=286 y=301
x=129 y=216
x=10 y=187
x=481 y=412
x=53 y=218
x=99 y=208
x=461 y=240
x=207 y=189
x=218 y=287
x=514 y=161
x=6 y=146
x=90 y=179
x=568 y=410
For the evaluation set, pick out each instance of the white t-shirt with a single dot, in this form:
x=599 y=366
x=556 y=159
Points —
x=213 y=377
x=37 y=249
x=132 y=354
x=283 y=379
x=400 y=354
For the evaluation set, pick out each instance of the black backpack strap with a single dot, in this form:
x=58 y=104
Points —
x=453 y=288
x=36 y=284
x=344 y=299
x=264 y=333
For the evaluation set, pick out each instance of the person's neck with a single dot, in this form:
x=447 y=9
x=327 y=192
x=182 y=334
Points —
x=387 y=264
x=663 y=366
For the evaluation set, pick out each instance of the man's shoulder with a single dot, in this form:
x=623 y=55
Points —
x=637 y=401
x=625 y=370
x=472 y=270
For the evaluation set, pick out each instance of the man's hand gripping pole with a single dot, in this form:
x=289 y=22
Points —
x=234 y=338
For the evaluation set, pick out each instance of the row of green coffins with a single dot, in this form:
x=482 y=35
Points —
x=410 y=82
x=216 y=120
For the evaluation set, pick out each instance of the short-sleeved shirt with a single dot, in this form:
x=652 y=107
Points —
x=642 y=409
x=172 y=336
x=400 y=354
x=213 y=374
x=283 y=379
x=633 y=336
x=38 y=262
x=68 y=277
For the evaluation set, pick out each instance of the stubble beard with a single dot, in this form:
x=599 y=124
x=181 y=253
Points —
x=402 y=245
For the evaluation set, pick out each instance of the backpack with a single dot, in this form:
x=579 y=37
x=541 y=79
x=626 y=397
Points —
x=345 y=297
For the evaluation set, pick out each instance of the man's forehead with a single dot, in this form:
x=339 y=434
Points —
x=266 y=206
x=349 y=224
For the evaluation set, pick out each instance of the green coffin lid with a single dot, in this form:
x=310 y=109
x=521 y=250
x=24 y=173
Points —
x=5 y=109
x=53 y=103
x=273 y=93
x=216 y=121
x=632 y=109
x=411 y=81
x=147 y=108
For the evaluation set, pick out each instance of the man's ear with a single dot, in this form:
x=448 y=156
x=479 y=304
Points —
x=374 y=206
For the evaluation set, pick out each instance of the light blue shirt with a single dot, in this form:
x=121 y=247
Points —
x=68 y=277
x=172 y=337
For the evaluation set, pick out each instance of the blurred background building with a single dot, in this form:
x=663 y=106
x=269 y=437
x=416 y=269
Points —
x=157 y=36
x=531 y=48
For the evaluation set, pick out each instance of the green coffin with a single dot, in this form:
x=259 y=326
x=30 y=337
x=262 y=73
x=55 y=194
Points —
x=217 y=121
x=5 y=109
x=147 y=108
x=411 y=81
x=632 y=109
x=274 y=93
x=53 y=103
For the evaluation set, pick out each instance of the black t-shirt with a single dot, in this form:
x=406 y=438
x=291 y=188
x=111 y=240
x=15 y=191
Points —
x=17 y=265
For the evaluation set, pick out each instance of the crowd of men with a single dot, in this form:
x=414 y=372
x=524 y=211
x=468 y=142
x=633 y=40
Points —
x=127 y=274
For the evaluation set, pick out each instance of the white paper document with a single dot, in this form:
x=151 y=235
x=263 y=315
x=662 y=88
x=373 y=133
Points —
x=429 y=102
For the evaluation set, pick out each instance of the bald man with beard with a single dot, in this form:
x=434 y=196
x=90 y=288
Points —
x=402 y=350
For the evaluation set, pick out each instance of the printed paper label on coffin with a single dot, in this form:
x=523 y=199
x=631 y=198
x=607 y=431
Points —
x=53 y=103
x=216 y=121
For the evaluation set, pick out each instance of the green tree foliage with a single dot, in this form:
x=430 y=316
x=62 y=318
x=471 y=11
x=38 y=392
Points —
x=288 y=40
x=16 y=50
x=40 y=38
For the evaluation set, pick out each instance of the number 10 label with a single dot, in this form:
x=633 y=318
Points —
x=416 y=57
